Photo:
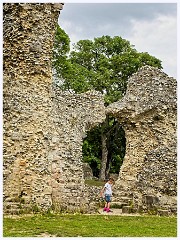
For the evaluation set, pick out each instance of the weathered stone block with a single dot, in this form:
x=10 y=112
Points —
x=88 y=174
x=126 y=209
x=163 y=212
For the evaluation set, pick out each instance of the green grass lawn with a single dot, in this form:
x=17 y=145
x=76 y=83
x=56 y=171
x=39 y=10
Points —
x=94 y=182
x=69 y=225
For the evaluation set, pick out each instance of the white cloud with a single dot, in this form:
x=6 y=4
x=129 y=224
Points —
x=73 y=31
x=158 y=37
x=150 y=27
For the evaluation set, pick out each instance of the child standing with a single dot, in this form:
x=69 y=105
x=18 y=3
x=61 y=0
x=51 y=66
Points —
x=107 y=190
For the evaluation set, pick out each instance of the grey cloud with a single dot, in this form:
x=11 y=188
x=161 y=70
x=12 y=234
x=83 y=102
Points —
x=84 y=13
x=94 y=18
x=90 y=20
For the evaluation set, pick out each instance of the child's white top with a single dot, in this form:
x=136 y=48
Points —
x=108 y=188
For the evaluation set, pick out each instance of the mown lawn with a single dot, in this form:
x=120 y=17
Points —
x=69 y=225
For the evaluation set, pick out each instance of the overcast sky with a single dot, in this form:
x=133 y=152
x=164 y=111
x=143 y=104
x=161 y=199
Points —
x=151 y=27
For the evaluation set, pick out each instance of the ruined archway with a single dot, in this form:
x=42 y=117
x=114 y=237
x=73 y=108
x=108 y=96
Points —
x=148 y=114
x=74 y=115
x=44 y=127
x=115 y=146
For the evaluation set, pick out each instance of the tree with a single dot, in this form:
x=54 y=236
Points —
x=92 y=150
x=109 y=62
x=60 y=54
x=104 y=64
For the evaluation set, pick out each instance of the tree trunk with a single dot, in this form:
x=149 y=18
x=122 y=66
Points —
x=104 y=157
x=114 y=131
x=108 y=166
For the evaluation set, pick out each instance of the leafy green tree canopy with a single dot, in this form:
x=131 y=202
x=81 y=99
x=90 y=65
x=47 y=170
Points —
x=103 y=64
x=60 y=52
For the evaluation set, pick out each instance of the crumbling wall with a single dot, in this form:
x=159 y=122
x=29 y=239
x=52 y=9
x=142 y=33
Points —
x=74 y=115
x=43 y=127
x=27 y=122
x=148 y=115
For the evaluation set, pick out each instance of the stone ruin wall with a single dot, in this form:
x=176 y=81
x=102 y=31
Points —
x=44 y=127
x=74 y=115
x=28 y=125
x=148 y=114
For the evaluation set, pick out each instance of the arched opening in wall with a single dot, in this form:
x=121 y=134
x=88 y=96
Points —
x=116 y=150
x=104 y=149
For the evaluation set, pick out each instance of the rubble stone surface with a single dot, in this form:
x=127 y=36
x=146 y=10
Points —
x=148 y=115
x=74 y=115
x=27 y=122
x=44 y=128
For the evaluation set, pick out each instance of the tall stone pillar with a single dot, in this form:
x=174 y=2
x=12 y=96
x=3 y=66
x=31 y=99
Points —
x=28 y=30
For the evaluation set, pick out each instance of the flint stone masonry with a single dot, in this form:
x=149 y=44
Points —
x=88 y=174
x=28 y=33
x=28 y=125
x=44 y=128
x=148 y=115
x=74 y=115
